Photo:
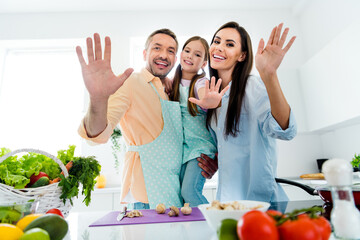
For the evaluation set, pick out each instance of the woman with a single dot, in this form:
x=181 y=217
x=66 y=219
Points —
x=253 y=113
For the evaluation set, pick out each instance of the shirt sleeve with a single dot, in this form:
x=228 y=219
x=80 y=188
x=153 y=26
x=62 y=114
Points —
x=118 y=104
x=266 y=121
x=199 y=84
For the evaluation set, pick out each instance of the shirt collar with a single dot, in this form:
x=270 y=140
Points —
x=227 y=93
x=147 y=75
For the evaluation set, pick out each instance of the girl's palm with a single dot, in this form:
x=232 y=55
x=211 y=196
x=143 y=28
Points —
x=212 y=96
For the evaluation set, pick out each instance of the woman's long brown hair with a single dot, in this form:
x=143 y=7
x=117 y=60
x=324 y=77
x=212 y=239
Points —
x=239 y=77
x=175 y=93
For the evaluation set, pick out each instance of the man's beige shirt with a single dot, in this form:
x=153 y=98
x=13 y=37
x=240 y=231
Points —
x=137 y=108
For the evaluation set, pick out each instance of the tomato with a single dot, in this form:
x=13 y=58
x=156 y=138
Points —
x=302 y=228
x=257 y=225
x=274 y=213
x=55 y=211
x=323 y=226
x=34 y=177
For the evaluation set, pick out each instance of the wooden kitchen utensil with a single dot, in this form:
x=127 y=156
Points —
x=314 y=176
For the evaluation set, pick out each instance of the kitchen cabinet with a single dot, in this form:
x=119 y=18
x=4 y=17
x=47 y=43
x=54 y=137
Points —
x=108 y=199
x=329 y=81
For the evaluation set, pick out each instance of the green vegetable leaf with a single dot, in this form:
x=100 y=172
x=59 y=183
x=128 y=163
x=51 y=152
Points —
x=356 y=161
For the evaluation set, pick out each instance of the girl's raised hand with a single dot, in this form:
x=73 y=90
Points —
x=211 y=97
x=98 y=76
x=268 y=59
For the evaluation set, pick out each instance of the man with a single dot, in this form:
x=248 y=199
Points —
x=150 y=124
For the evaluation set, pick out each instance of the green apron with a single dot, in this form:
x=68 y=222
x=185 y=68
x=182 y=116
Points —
x=161 y=159
x=197 y=138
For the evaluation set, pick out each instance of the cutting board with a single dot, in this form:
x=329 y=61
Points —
x=150 y=216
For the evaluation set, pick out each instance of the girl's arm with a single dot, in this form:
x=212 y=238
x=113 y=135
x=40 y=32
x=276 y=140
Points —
x=267 y=61
x=209 y=96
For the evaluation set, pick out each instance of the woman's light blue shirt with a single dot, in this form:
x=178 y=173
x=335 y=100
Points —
x=248 y=162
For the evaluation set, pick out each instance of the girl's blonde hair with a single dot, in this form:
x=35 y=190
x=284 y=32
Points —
x=175 y=93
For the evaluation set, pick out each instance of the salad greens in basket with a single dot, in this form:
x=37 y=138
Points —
x=16 y=171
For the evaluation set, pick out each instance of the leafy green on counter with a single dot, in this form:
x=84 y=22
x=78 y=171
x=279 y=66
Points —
x=356 y=161
x=16 y=171
x=84 y=171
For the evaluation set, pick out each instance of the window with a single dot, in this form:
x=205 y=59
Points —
x=41 y=95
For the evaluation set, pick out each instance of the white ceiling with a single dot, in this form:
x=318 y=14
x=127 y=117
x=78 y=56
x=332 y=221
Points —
x=32 y=6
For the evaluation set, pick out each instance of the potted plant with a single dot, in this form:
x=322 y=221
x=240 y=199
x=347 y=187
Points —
x=356 y=162
x=118 y=146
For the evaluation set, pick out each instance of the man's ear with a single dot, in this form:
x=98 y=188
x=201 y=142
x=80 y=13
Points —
x=242 y=57
x=144 y=54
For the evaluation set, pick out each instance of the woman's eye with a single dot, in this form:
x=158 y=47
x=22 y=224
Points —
x=216 y=41
x=230 y=44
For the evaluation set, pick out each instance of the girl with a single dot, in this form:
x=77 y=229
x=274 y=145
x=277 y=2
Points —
x=197 y=139
x=252 y=115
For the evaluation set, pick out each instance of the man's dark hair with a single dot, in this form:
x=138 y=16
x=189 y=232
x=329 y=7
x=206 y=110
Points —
x=161 y=31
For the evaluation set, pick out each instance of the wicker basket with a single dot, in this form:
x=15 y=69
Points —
x=47 y=196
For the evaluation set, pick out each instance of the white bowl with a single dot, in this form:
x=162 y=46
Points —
x=214 y=217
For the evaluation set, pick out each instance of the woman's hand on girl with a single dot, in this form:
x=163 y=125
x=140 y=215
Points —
x=211 y=97
x=268 y=59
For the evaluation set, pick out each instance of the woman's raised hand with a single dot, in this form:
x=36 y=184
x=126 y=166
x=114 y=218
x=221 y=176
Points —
x=212 y=97
x=98 y=76
x=268 y=59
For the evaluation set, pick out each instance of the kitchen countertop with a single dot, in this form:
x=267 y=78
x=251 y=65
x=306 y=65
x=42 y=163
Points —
x=197 y=230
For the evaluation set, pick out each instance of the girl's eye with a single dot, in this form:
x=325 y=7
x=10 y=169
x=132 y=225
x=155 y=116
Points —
x=230 y=44
x=216 y=41
x=187 y=51
x=198 y=55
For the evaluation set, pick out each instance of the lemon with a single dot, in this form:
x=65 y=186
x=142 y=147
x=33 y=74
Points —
x=10 y=232
x=100 y=181
x=35 y=234
x=227 y=230
x=22 y=223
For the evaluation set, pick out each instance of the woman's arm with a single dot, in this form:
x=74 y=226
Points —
x=267 y=61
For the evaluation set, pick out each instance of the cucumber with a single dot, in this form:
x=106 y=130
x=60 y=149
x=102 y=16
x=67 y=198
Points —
x=43 y=181
x=55 y=225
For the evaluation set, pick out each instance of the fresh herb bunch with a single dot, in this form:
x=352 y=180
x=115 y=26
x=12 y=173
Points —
x=356 y=161
x=84 y=171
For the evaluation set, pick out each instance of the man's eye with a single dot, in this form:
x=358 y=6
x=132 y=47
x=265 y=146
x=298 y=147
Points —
x=171 y=51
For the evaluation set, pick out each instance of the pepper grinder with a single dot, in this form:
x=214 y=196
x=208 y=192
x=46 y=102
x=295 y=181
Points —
x=345 y=217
